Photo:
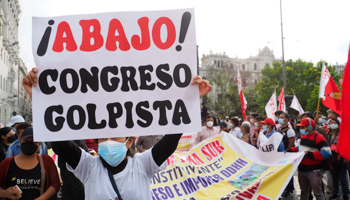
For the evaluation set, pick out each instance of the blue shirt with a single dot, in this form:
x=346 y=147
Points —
x=281 y=146
x=15 y=149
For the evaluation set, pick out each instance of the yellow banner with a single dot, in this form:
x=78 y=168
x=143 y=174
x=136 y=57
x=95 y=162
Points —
x=216 y=169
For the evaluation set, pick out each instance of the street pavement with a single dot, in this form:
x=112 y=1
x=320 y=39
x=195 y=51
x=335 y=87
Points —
x=296 y=194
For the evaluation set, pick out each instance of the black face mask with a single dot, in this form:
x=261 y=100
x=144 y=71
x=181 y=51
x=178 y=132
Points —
x=28 y=148
x=11 y=139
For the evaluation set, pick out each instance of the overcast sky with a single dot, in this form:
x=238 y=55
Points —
x=314 y=30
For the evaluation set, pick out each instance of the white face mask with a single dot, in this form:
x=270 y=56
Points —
x=256 y=124
x=251 y=121
x=210 y=124
x=320 y=120
x=333 y=126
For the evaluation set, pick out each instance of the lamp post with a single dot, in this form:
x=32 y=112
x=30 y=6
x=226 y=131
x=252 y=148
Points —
x=283 y=64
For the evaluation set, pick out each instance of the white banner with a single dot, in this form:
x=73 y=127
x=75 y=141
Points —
x=271 y=106
x=269 y=144
x=115 y=74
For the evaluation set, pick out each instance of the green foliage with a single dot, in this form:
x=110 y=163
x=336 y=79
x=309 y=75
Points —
x=302 y=78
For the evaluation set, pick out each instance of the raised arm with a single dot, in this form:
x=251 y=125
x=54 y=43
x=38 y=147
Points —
x=68 y=151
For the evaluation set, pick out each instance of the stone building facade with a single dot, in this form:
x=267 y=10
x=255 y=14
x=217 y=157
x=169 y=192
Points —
x=249 y=68
x=13 y=98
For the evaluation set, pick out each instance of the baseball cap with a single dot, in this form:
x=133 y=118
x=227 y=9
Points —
x=28 y=132
x=15 y=119
x=268 y=121
x=305 y=122
x=226 y=117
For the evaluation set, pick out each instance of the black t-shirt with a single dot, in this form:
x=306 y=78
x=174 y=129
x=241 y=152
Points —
x=29 y=181
x=3 y=150
x=204 y=112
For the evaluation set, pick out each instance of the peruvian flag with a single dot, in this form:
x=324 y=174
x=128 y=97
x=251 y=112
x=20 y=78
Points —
x=329 y=91
x=241 y=96
x=281 y=99
x=343 y=146
x=271 y=106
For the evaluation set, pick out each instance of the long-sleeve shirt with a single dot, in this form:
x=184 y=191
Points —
x=147 y=142
x=318 y=150
x=206 y=133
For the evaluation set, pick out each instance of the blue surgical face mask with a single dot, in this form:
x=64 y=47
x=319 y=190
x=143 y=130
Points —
x=303 y=131
x=230 y=126
x=265 y=128
x=112 y=152
x=276 y=118
x=280 y=121
x=221 y=121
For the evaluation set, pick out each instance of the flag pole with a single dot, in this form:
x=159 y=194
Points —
x=318 y=107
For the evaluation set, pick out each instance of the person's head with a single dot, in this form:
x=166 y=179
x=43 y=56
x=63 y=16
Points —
x=332 y=115
x=28 y=146
x=334 y=125
x=277 y=114
x=115 y=150
x=268 y=124
x=245 y=127
x=7 y=135
x=307 y=126
x=203 y=104
x=258 y=121
x=306 y=114
x=299 y=118
x=252 y=117
x=15 y=121
x=234 y=121
x=209 y=121
x=227 y=118
x=283 y=119
x=21 y=128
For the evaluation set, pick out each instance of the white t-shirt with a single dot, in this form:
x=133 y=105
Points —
x=236 y=132
x=133 y=182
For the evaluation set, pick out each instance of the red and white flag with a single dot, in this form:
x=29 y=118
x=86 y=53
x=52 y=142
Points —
x=329 y=91
x=296 y=105
x=241 y=96
x=343 y=146
x=281 y=99
x=271 y=106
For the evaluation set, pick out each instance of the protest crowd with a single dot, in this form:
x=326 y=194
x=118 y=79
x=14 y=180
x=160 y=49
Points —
x=314 y=133
x=125 y=167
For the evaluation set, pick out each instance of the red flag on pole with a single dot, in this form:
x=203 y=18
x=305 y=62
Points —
x=281 y=99
x=343 y=146
x=241 y=96
x=329 y=91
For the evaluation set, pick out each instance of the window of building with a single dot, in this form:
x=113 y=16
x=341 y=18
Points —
x=0 y=82
x=231 y=64
x=221 y=63
x=214 y=62
x=243 y=66
x=256 y=81
x=255 y=67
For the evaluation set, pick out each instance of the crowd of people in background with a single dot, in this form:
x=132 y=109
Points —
x=314 y=134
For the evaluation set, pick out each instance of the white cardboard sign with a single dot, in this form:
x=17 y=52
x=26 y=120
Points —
x=115 y=74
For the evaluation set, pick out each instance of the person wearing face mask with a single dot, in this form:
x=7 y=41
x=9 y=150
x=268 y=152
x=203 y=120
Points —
x=316 y=149
x=318 y=118
x=288 y=142
x=7 y=138
x=245 y=127
x=15 y=149
x=340 y=165
x=14 y=123
x=116 y=173
x=208 y=130
x=277 y=116
x=268 y=127
x=35 y=175
x=234 y=129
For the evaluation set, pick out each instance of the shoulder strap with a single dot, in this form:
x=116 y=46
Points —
x=42 y=169
x=113 y=183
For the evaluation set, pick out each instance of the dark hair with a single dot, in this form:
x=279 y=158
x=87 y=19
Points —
x=259 y=118
x=131 y=150
x=24 y=125
x=336 y=120
x=5 y=130
x=286 y=115
x=209 y=116
x=307 y=114
x=235 y=121
x=254 y=115
x=314 y=115
x=278 y=112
